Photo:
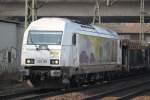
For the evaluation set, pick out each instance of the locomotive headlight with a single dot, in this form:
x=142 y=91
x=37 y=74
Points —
x=54 y=61
x=29 y=61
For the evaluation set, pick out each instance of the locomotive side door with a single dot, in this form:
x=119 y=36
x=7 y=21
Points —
x=74 y=49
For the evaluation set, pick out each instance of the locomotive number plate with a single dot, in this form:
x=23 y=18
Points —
x=41 y=61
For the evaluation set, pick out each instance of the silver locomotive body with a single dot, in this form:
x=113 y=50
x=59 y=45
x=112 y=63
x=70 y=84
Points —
x=58 y=50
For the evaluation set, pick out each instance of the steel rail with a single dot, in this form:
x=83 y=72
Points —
x=104 y=94
x=135 y=93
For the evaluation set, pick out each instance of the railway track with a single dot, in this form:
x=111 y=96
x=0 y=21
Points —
x=145 y=95
x=122 y=93
x=18 y=92
x=136 y=92
x=32 y=94
x=11 y=88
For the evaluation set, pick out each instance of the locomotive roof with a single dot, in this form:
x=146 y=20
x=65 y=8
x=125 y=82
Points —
x=90 y=29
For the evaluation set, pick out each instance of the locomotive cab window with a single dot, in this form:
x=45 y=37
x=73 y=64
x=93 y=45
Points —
x=44 y=37
x=74 y=39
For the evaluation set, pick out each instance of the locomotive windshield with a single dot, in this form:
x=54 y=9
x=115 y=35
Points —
x=44 y=37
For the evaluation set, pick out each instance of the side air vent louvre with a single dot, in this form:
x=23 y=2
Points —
x=87 y=26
